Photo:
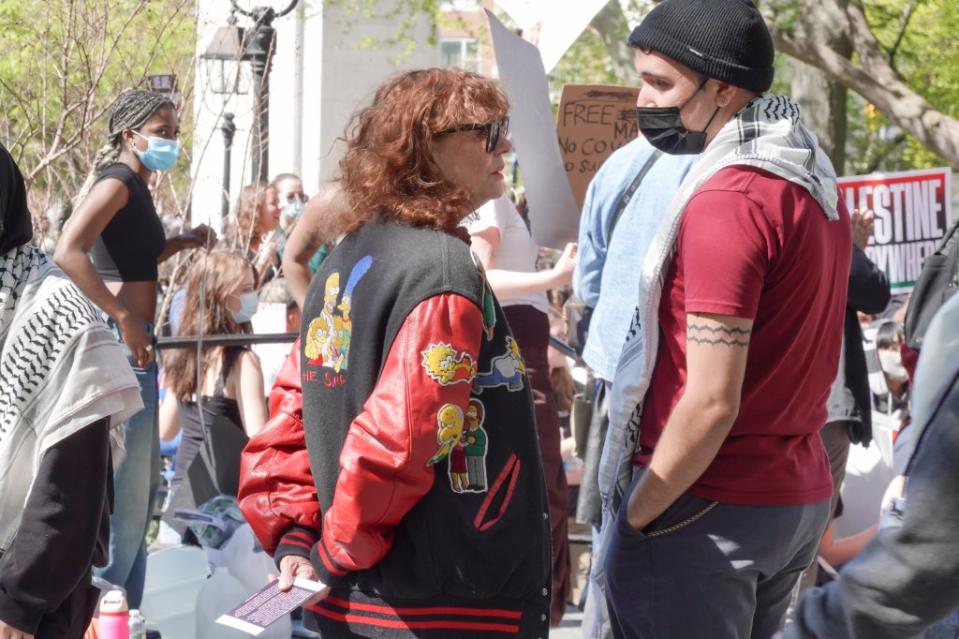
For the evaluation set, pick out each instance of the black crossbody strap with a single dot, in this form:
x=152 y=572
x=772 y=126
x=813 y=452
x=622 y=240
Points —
x=630 y=192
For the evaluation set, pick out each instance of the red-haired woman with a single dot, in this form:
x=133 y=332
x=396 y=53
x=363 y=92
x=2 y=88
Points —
x=408 y=370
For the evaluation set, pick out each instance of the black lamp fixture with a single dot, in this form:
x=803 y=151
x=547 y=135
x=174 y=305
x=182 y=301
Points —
x=231 y=45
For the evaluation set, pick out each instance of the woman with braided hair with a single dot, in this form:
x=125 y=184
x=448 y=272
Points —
x=110 y=248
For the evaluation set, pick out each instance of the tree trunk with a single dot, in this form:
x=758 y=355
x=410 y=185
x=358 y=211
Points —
x=611 y=27
x=873 y=78
x=822 y=99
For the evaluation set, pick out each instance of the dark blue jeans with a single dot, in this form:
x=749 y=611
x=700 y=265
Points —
x=709 y=570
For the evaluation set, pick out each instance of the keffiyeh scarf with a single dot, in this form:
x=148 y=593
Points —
x=61 y=369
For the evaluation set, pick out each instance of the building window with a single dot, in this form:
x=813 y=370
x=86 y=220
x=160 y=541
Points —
x=460 y=52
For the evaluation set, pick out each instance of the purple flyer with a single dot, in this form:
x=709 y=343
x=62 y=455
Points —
x=268 y=604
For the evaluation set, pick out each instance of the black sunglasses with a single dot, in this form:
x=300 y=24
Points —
x=493 y=131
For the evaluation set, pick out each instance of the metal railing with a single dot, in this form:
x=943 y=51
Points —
x=247 y=339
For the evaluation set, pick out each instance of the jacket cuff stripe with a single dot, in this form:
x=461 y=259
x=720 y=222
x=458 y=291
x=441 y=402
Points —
x=328 y=562
x=300 y=536
x=297 y=543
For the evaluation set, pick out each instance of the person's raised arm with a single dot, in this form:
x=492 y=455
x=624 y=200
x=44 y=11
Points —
x=198 y=237
x=86 y=224
x=306 y=239
x=506 y=284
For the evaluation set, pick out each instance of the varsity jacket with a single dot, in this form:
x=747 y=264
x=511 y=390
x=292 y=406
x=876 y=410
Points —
x=419 y=494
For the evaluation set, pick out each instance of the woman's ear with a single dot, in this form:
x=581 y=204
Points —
x=128 y=138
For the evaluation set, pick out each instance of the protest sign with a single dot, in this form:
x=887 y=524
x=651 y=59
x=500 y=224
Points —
x=552 y=31
x=594 y=121
x=554 y=216
x=912 y=210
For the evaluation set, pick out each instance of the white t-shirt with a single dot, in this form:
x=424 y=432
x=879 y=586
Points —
x=517 y=251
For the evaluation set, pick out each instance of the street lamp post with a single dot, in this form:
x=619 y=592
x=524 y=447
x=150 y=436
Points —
x=228 y=128
x=256 y=47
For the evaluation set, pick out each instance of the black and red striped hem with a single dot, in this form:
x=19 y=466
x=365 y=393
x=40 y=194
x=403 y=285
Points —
x=375 y=618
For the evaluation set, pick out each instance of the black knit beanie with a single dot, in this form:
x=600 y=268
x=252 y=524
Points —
x=722 y=39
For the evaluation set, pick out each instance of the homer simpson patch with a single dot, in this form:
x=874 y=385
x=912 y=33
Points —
x=505 y=370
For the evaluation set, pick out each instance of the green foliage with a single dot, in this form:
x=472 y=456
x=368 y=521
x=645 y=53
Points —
x=587 y=62
x=62 y=62
x=927 y=57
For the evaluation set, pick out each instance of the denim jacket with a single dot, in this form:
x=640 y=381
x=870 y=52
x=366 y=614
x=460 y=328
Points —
x=605 y=277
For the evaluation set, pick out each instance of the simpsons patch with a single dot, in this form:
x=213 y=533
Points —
x=463 y=442
x=505 y=370
x=327 y=342
x=446 y=365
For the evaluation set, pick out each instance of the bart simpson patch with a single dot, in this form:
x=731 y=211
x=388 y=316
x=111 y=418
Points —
x=445 y=365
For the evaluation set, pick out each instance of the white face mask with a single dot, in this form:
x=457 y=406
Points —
x=248 y=305
x=891 y=363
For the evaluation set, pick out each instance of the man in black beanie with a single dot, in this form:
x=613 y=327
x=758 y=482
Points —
x=720 y=391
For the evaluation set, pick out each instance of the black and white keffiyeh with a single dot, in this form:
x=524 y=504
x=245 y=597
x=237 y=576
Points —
x=61 y=368
x=768 y=134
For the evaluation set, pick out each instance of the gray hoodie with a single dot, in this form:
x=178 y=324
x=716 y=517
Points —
x=907 y=578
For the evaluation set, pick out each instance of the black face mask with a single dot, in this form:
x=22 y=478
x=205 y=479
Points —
x=663 y=128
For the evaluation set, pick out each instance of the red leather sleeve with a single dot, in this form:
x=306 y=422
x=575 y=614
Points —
x=385 y=461
x=277 y=494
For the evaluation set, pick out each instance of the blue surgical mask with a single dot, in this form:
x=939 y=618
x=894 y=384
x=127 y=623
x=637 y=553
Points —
x=161 y=153
x=248 y=305
x=293 y=209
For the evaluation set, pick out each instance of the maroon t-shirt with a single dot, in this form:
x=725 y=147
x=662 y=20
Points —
x=756 y=246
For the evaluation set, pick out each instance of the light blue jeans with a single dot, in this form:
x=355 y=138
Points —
x=135 y=485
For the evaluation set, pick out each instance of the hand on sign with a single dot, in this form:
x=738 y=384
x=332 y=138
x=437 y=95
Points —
x=863 y=222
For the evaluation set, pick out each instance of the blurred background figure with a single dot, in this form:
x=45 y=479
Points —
x=502 y=242
x=253 y=229
x=222 y=404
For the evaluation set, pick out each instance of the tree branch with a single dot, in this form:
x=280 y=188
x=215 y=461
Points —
x=874 y=79
x=907 y=17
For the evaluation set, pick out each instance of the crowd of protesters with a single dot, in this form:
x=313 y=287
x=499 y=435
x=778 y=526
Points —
x=742 y=387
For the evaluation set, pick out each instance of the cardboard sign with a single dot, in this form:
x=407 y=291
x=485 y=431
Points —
x=593 y=122
x=554 y=217
x=912 y=210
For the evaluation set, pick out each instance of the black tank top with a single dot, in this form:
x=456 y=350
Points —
x=131 y=243
x=214 y=443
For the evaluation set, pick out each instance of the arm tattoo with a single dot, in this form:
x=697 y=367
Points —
x=717 y=335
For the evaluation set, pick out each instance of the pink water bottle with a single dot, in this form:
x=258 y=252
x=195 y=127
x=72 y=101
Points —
x=114 y=621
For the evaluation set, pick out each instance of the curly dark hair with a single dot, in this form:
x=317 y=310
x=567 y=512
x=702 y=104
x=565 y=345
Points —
x=389 y=170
